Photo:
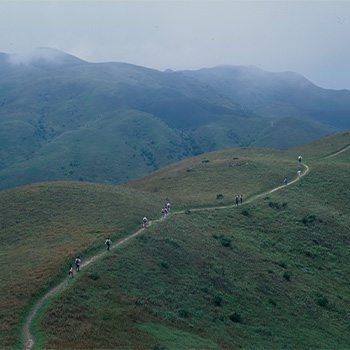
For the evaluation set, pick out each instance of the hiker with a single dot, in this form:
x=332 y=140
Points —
x=300 y=158
x=163 y=213
x=237 y=198
x=241 y=198
x=168 y=207
x=144 y=221
x=77 y=264
x=108 y=243
x=285 y=181
x=166 y=210
x=70 y=271
x=299 y=173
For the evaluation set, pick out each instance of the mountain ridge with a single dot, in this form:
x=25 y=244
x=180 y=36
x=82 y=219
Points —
x=59 y=120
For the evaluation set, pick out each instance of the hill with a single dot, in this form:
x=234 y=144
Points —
x=62 y=118
x=286 y=94
x=270 y=273
x=44 y=226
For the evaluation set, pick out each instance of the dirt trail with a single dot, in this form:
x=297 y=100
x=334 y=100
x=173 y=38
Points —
x=28 y=340
x=335 y=154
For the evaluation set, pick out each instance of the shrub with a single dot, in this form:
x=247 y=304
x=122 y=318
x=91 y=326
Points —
x=188 y=212
x=282 y=264
x=272 y=302
x=286 y=275
x=322 y=301
x=163 y=264
x=236 y=317
x=274 y=205
x=245 y=212
x=225 y=241
x=217 y=300
x=94 y=276
x=219 y=196
x=183 y=313
x=308 y=219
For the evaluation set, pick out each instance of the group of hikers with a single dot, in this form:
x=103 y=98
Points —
x=77 y=267
x=239 y=198
x=165 y=211
x=300 y=158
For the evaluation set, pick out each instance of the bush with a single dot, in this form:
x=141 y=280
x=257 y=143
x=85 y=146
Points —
x=282 y=264
x=217 y=300
x=245 y=212
x=225 y=241
x=274 y=205
x=272 y=302
x=236 y=317
x=286 y=275
x=163 y=264
x=188 y=212
x=219 y=196
x=308 y=219
x=94 y=276
x=322 y=301
x=183 y=313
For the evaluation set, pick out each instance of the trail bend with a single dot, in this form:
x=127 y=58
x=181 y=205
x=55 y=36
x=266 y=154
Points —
x=28 y=339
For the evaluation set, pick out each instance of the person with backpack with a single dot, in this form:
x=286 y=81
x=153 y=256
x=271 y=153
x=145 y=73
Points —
x=77 y=264
x=144 y=221
x=285 y=181
x=237 y=198
x=108 y=243
x=241 y=198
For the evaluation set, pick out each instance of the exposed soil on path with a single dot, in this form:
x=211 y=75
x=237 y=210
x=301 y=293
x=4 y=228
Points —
x=335 y=154
x=28 y=340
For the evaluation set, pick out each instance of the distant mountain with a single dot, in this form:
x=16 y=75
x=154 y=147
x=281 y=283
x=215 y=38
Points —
x=62 y=118
x=275 y=95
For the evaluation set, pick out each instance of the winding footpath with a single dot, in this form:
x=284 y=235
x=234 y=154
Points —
x=28 y=339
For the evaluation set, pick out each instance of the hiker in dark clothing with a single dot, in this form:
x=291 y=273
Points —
x=237 y=198
x=108 y=243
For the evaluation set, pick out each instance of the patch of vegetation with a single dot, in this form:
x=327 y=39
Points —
x=236 y=317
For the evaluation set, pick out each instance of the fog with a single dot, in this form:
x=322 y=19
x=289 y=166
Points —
x=307 y=37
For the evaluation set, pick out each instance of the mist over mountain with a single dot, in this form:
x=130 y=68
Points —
x=275 y=95
x=62 y=118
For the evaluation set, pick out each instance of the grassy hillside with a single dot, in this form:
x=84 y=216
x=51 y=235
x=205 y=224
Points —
x=270 y=274
x=45 y=226
x=216 y=178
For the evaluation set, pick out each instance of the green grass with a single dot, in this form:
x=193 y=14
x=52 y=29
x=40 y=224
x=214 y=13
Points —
x=269 y=274
x=198 y=181
x=45 y=226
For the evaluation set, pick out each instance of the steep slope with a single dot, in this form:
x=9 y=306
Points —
x=271 y=273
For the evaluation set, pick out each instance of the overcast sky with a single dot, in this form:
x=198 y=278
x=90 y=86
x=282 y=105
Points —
x=308 y=37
